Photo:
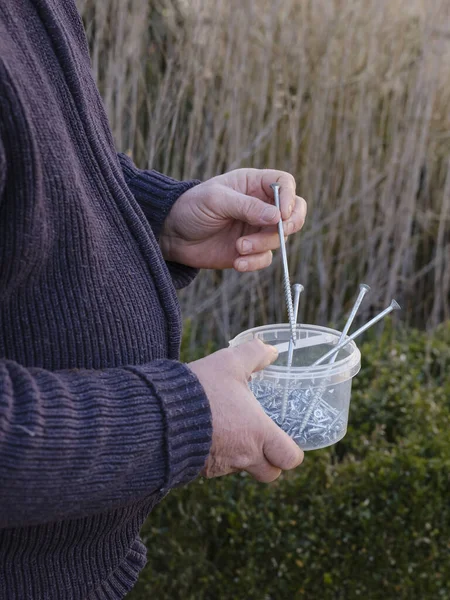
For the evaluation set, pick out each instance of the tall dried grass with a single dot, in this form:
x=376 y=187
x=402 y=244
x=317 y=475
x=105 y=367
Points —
x=350 y=96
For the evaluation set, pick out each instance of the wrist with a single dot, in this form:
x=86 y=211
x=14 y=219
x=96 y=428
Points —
x=165 y=245
x=169 y=239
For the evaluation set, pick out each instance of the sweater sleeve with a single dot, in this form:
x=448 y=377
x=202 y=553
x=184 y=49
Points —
x=2 y=169
x=156 y=194
x=77 y=442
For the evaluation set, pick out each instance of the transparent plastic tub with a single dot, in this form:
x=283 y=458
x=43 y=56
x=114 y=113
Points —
x=317 y=398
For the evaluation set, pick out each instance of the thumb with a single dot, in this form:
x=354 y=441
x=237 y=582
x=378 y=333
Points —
x=281 y=450
x=249 y=209
x=255 y=355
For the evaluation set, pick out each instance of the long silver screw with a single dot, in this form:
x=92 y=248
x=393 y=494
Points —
x=287 y=285
x=333 y=352
x=394 y=305
x=363 y=289
x=298 y=289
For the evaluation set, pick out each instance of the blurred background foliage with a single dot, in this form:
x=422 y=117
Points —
x=367 y=518
x=352 y=97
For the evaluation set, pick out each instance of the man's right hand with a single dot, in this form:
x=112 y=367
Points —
x=244 y=437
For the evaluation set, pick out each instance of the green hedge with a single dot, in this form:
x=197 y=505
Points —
x=368 y=518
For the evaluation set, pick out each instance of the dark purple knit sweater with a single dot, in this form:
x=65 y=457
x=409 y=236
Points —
x=98 y=419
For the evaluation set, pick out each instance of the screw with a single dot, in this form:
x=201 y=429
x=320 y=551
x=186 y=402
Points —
x=317 y=429
x=287 y=285
x=298 y=289
x=336 y=419
x=363 y=289
x=394 y=305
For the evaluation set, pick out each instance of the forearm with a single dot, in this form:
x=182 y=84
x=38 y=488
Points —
x=76 y=442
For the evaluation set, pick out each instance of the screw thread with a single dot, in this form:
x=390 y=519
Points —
x=289 y=304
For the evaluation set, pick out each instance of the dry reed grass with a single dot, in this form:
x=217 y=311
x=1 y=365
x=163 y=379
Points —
x=351 y=96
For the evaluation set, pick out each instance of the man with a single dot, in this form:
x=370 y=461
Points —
x=98 y=419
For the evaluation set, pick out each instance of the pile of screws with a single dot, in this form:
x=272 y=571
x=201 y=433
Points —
x=324 y=426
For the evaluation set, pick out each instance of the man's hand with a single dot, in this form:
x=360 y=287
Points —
x=230 y=221
x=244 y=437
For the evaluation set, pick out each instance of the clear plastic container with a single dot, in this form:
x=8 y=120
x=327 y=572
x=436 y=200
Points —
x=317 y=398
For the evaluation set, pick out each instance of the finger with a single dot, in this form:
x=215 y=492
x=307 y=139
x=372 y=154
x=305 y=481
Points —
x=264 y=472
x=256 y=243
x=297 y=218
x=253 y=262
x=254 y=356
x=248 y=209
x=281 y=450
x=287 y=189
x=212 y=469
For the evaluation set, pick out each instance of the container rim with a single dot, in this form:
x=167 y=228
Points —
x=351 y=362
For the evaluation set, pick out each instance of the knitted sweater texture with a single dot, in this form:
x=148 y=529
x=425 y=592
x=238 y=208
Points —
x=98 y=419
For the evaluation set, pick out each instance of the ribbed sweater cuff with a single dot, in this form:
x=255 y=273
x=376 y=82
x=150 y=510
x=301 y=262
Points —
x=181 y=275
x=156 y=194
x=187 y=418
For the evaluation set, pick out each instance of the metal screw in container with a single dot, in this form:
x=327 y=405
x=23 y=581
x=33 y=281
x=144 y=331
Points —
x=394 y=305
x=298 y=288
x=341 y=344
x=363 y=289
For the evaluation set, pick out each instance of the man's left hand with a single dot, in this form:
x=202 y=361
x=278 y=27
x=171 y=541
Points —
x=231 y=221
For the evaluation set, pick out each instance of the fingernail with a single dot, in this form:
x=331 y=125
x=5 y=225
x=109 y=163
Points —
x=269 y=213
x=242 y=265
x=247 y=246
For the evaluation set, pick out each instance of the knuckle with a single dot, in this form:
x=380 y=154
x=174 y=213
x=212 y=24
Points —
x=273 y=476
x=304 y=209
x=248 y=210
x=267 y=474
x=231 y=361
x=242 y=461
x=241 y=206
x=292 y=458
x=259 y=345
x=291 y=180
x=303 y=205
x=270 y=240
x=300 y=221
